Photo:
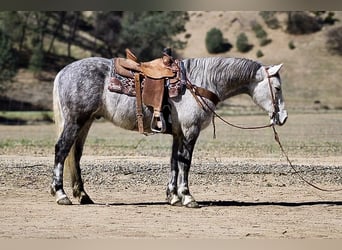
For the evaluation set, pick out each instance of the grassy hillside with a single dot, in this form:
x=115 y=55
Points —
x=311 y=76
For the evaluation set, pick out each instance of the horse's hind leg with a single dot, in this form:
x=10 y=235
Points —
x=62 y=148
x=73 y=164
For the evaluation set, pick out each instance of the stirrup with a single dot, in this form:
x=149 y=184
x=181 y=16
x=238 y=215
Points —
x=158 y=124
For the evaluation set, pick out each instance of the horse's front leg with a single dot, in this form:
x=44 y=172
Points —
x=178 y=192
x=171 y=191
x=184 y=162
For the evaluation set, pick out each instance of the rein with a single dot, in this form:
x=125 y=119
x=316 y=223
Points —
x=197 y=93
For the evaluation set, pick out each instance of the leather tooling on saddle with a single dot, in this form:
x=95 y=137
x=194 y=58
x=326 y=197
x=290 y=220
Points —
x=151 y=82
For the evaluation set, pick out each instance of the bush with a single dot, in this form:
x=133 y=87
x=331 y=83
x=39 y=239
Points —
x=300 y=22
x=259 y=53
x=258 y=30
x=242 y=43
x=264 y=41
x=215 y=43
x=261 y=34
x=270 y=19
x=334 y=41
x=326 y=18
x=291 y=45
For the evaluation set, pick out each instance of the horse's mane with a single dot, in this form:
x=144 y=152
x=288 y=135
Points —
x=217 y=69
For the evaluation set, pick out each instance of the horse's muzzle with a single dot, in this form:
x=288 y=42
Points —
x=279 y=118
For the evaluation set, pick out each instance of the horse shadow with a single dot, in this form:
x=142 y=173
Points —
x=231 y=203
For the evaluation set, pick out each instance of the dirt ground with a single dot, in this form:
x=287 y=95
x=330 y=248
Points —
x=243 y=184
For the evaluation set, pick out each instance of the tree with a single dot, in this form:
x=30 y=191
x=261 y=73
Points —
x=107 y=28
x=215 y=42
x=300 y=22
x=147 y=33
x=7 y=60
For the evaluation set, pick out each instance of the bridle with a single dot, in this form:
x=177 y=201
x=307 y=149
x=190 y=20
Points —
x=198 y=96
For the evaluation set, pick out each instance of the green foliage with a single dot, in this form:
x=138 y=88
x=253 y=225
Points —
x=59 y=35
x=7 y=61
x=260 y=33
x=270 y=19
x=291 y=45
x=146 y=33
x=259 y=53
x=326 y=17
x=242 y=43
x=300 y=22
x=36 y=59
x=215 y=42
x=258 y=30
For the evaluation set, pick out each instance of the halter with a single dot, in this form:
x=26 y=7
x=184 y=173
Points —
x=275 y=106
x=201 y=101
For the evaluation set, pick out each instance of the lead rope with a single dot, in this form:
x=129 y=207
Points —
x=276 y=136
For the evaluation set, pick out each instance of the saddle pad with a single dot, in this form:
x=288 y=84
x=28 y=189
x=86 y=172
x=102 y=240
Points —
x=123 y=85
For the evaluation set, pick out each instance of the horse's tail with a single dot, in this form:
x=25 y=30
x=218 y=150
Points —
x=57 y=110
x=59 y=118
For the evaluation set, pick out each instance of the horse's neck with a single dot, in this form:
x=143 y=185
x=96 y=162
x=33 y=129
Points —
x=218 y=83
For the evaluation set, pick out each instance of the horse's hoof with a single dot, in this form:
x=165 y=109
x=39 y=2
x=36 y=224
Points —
x=64 y=201
x=189 y=201
x=85 y=199
x=193 y=204
x=174 y=200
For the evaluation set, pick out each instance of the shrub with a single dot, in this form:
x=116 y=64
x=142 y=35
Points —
x=215 y=42
x=264 y=41
x=258 y=30
x=300 y=22
x=259 y=53
x=334 y=41
x=242 y=43
x=325 y=18
x=260 y=33
x=270 y=19
x=291 y=45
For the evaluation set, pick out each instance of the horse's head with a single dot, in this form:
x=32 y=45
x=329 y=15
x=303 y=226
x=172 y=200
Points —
x=267 y=93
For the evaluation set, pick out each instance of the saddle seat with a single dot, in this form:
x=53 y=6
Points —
x=157 y=69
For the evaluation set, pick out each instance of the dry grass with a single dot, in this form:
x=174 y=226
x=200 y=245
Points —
x=304 y=135
x=310 y=73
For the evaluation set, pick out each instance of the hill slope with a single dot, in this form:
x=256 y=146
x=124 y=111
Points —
x=311 y=76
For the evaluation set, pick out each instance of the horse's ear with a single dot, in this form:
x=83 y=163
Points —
x=274 y=69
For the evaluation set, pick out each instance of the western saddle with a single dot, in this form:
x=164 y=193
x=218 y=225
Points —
x=147 y=81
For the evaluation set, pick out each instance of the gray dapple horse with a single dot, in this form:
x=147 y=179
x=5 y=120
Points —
x=80 y=96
